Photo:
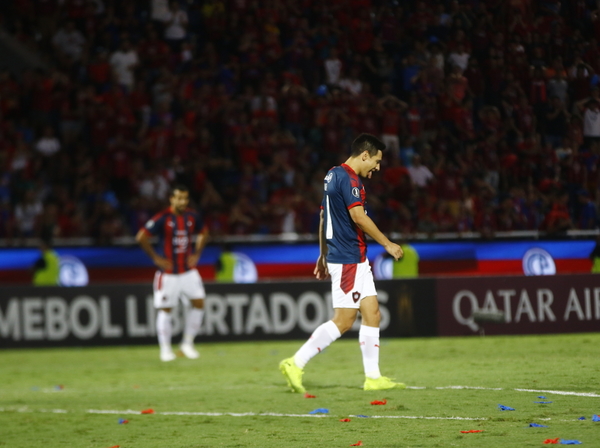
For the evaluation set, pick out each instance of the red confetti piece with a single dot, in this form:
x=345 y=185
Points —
x=345 y=420
x=552 y=441
x=379 y=402
x=359 y=443
x=307 y=395
x=148 y=411
x=116 y=446
x=472 y=430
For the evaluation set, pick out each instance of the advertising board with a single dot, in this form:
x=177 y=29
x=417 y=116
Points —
x=528 y=305
x=124 y=314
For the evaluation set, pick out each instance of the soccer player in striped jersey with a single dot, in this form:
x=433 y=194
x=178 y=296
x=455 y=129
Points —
x=343 y=256
x=177 y=277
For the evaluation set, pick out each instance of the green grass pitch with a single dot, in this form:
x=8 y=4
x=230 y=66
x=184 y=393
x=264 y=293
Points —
x=243 y=378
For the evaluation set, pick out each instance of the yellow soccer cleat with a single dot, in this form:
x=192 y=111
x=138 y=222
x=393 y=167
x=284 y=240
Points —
x=382 y=383
x=293 y=374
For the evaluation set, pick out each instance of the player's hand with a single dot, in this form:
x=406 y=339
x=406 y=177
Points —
x=163 y=263
x=192 y=260
x=321 y=271
x=394 y=250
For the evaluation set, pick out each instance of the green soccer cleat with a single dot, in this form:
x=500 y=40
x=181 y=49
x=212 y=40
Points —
x=382 y=383
x=293 y=374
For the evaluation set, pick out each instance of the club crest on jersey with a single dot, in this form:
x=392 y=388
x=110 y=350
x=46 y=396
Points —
x=356 y=192
x=355 y=296
x=328 y=177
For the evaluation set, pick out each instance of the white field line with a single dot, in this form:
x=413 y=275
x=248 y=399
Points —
x=538 y=391
x=208 y=414
x=249 y=414
x=274 y=414
x=417 y=417
x=561 y=392
x=556 y=392
x=233 y=414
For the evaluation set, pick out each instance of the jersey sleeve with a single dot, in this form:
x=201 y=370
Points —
x=349 y=192
x=155 y=225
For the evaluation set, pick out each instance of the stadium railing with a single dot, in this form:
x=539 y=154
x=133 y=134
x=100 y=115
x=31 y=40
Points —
x=311 y=238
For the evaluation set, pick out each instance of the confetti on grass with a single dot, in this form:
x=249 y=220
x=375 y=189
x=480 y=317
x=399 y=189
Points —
x=307 y=395
x=537 y=425
x=505 y=408
x=543 y=402
x=570 y=442
x=596 y=418
x=122 y=421
x=472 y=430
x=345 y=420
x=320 y=411
x=551 y=441
x=359 y=443
x=148 y=411
x=362 y=416
x=377 y=402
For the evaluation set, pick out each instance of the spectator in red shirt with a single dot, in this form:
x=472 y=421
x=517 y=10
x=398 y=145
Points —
x=558 y=220
x=391 y=110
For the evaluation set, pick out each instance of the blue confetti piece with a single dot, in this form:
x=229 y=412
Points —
x=581 y=418
x=542 y=397
x=320 y=411
x=543 y=402
x=537 y=425
x=505 y=408
x=569 y=442
x=362 y=416
x=596 y=418
x=122 y=420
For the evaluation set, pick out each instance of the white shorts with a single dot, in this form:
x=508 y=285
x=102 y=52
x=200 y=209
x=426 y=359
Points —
x=350 y=283
x=170 y=288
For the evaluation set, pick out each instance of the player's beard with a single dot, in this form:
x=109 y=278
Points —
x=179 y=209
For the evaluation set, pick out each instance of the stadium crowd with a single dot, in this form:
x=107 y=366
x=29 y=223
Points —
x=490 y=110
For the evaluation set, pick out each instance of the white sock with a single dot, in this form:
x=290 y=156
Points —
x=368 y=337
x=324 y=335
x=193 y=320
x=163 y=330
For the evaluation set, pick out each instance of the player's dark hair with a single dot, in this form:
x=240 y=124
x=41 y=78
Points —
x=366 y=142
x=179 y=187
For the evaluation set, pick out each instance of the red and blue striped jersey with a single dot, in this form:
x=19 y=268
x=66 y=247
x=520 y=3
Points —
x=343 y=190
x=175 y=233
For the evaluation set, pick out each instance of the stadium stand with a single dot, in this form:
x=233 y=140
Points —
x=490 y=108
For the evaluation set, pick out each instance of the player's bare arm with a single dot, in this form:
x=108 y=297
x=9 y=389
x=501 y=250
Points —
x=321 y=271
x=366 y=224
x=144 y=242
x=201 y=241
